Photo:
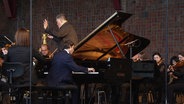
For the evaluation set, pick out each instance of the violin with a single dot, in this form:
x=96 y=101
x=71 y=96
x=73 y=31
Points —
x=160 y=62
x=51 y=55
x=178 y=64
x=172 y=68
x=175 y=66
x=8 y=45
x=12 y=43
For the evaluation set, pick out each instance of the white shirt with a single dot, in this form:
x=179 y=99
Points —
x=67 y=51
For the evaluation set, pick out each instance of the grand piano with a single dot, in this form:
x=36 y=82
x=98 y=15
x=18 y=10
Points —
x=109 y=49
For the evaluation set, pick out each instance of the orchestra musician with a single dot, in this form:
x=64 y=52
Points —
x=178 y=84
x=138 y=57
x=61 y=69
x=41 y=67
x=159 y=78
x=4 y=86
x=136 y=84
x=173 y=61
x=44 y=51
x=66 y=31
x=20 y=52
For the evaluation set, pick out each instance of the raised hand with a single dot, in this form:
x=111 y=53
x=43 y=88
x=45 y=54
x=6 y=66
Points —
x=5 y=51
x=45 y=24
x=50 y=36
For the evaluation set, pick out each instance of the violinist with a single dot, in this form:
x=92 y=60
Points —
x=138 y=57
x=181 y=57
x=159 y=77
x=179 y=67
x=4 y=86
x=137 y=83
x=178 y=84
x=41 y=67
x=20 y=52
x=173 y=61
x=45 y=52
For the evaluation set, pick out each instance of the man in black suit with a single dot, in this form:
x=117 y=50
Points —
x=61 y=69
x=66 y=31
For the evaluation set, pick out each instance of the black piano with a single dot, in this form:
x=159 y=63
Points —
x=109 y=49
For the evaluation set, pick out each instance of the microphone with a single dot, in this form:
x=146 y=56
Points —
x=129 y=43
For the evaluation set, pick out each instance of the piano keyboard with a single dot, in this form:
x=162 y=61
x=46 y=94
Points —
x=79 y=73
x=85 y=73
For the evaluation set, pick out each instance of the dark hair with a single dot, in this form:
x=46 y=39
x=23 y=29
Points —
x=156 y=53
x=61 y=15
x=68 y=44
x=175 y=58
x=181 y=53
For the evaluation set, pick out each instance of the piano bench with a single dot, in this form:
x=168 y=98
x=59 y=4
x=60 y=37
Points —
x=62 y=93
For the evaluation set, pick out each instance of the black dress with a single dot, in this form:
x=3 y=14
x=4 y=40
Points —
x=159 y=83
x=22 y=54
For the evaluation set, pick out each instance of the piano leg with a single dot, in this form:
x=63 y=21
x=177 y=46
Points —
x=84 y=94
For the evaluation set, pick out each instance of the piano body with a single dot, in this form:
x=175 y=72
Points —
x=108 y=49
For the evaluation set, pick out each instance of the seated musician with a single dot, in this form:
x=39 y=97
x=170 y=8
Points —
x=173 y=61
x=41 y=67
x=138 y=57
x=4 y=86
x=137 y=82
x=61 y=69
x=178 y=83
x=44 y=51
x=20 y=52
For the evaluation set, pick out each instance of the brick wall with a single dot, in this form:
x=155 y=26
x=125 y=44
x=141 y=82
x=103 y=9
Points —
x=85 y=15
x=149 y=20
x=8 y=26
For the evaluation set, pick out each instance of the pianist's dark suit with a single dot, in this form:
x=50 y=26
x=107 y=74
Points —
x=61 y=72
x=61 y=69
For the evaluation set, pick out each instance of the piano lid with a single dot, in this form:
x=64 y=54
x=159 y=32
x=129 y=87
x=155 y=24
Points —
x=100 y=44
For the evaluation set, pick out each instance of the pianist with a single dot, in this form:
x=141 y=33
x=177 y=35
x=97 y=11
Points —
x=61 y=69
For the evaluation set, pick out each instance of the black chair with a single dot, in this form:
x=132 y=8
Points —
x=13 y=70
